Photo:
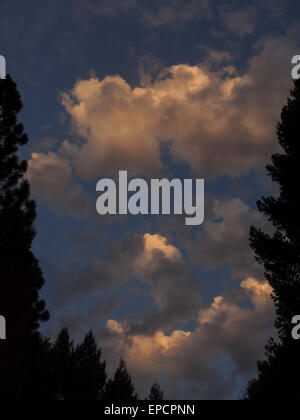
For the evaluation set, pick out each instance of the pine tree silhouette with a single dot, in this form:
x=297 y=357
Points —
x=120 y=388
x=20 y=275
x=91 y=375
x=41 y=383
x=156 y=394
x=63 y=372
x=62 y=361
x=280 y=255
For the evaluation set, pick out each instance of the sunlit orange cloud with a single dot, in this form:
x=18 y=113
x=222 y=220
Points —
x=218 y=121
x=224 y=329
x=158 y=243
x=203 y=112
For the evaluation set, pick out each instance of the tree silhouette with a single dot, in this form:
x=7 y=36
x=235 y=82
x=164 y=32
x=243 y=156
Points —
x=20 y=275
x=41 y=383
x=120 y=388
x=62 y=361
x=91 y=375
x=64 y=372
x=280 y=255
x=156 y=394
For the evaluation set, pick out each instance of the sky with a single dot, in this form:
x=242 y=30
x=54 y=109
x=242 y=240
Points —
x=175 y=89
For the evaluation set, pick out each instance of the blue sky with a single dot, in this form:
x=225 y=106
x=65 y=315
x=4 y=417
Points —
x=178 y=88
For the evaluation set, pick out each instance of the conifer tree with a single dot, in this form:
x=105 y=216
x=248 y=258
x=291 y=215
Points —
x=62 y=361
x=280 y=254
x=90 y=378
x=41 y=382
x=65 y=373
x=20 y=275
x=120 y=388
x=156 y=394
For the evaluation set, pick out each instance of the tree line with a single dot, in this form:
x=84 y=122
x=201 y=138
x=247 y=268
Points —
x=67 y=372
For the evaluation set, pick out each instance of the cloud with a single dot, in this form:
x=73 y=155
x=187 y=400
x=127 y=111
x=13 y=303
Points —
x=224 y=240
x=176 y=12
x=241 y=21
x=216 y=121
x=173 y=292
x=45 y=144
x=157 y=13
x=224 y=331
x=219 y=18
x=53 y=182
x=157 y=243
x=101 y=273
x=113 y=122
x=173 y=287
x=230 y=332
x=79 y=320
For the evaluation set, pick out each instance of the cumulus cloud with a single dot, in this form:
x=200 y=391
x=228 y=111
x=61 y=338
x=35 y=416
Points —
x=152 y=260
x=154 y=243
x=118 y=132
x=218 y=122
x=176 y=292
x=224 y=331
